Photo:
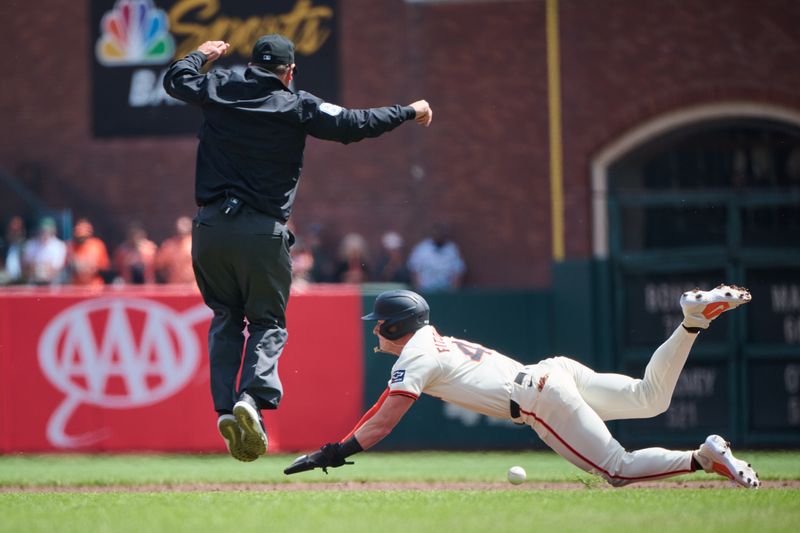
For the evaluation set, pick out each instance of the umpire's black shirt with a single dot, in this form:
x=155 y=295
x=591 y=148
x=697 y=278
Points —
x=254 y=131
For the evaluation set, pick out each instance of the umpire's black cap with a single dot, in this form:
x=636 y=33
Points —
x=273 y=49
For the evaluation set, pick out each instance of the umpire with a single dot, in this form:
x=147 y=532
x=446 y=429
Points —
x=248 y=168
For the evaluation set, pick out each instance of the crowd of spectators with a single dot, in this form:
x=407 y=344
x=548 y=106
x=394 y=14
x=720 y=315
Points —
x=433 y=264
x=44 y=259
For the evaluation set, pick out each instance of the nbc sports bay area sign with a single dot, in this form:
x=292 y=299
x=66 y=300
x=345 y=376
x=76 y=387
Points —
x=132 y=42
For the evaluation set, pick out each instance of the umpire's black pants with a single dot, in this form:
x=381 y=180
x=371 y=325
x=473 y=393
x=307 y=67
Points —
x=244 y=271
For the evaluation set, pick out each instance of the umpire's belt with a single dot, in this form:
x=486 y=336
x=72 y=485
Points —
x=513 y=407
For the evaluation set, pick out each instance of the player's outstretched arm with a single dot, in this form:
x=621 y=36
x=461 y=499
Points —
x=372 y=431
x=383 y=422
x=369 y=414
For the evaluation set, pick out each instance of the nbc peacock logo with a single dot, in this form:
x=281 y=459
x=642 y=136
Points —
x=134 y=32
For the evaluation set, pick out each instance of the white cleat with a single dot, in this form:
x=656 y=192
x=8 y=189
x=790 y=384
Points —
x=715 y=455
x=701 y=307
x=232 y=435
x=254 y=438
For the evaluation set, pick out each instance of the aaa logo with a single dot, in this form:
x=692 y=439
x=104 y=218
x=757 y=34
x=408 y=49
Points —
x=116 y=353
x=134 y=32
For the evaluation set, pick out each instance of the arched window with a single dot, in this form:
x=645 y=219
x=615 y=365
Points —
x=676 y=190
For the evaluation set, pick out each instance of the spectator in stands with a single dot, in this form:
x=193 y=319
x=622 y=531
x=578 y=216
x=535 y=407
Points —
x=391 y=265
x=45 y=256
x=12 y=252
x=302 y=260
x=302 y=264
x=87 y=256
x=134 y=259
x=352 y=265
x=435 y=263
x=173 y=261
x=322 y=270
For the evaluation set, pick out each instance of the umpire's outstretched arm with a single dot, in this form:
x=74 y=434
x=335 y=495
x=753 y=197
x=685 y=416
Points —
x=333 y=123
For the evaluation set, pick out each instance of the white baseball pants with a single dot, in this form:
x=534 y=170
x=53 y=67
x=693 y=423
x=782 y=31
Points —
x=566 y=403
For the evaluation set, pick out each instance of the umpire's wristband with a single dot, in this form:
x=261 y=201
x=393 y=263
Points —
x=350 y=447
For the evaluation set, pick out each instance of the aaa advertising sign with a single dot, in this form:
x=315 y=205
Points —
x=134 y=41
x=128 y=371
x=116 y=353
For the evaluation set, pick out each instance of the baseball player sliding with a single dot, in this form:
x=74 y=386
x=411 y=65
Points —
x=565 y=402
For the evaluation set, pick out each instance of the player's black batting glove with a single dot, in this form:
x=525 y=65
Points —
x=331 y=455
x=327 y=456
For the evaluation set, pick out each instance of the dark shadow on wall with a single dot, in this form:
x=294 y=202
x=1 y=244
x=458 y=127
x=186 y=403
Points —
x=21 y=195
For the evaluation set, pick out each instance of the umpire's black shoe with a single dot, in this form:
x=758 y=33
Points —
x=254 y=438
x=234 y=438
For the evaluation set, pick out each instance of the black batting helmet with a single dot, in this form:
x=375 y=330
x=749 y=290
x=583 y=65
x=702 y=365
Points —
x=402 y=312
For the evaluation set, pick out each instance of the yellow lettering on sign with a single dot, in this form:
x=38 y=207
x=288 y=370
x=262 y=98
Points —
x=194 y=22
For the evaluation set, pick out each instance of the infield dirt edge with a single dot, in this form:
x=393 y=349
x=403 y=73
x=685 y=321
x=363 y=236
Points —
x=382 y=485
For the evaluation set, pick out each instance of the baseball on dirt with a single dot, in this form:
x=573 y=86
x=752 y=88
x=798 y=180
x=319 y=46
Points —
x=516 y=475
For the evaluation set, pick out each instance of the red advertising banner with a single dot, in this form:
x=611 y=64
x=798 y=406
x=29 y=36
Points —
x=127 y=370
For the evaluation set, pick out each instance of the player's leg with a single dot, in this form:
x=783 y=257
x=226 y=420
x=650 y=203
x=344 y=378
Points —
x=615 y=396
x=565 y=422
x=561 y=417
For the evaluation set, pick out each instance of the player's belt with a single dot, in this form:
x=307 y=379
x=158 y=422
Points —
x=513 y=407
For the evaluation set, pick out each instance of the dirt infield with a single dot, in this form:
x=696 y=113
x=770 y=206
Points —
x=385 y=486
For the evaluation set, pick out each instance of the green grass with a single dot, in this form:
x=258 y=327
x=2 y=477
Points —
x=406 y=511
x=592 y=508
x=26 y=470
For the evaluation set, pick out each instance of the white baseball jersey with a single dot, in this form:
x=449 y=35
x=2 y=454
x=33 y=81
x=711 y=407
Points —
x=564 y=401
x=455 y=370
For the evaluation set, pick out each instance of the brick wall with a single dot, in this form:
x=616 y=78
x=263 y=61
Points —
x=482 y=166
x=626 y=62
